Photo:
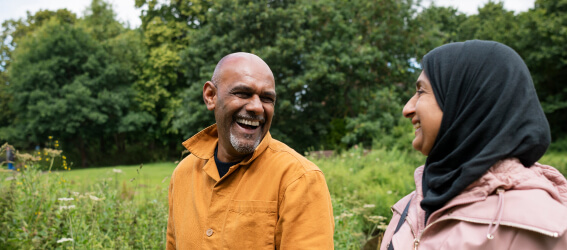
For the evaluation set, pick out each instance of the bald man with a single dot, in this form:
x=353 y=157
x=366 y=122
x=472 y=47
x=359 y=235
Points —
x=240 y=188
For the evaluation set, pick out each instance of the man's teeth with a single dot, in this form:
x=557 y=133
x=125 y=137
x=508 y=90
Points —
x=417 y=125
x=249 y=123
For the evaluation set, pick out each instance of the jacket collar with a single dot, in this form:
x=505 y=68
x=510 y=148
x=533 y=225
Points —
x=203 y=145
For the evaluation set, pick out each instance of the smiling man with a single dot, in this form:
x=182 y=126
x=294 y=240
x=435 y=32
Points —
x=240 y=188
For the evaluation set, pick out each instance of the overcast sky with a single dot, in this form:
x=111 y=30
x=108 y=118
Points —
x=126 y=12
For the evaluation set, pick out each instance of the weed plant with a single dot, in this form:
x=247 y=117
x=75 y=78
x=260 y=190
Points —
x=364 y=185
x=125 y=207
x=42 y=210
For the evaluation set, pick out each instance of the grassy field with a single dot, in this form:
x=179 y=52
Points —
x=125 y=207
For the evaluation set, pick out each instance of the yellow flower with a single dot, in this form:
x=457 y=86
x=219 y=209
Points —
x=47 y=159
x=64 y=157
x=38 y=152
x=50 y=137
x=25 y=166
x=40 y=158
x=56 y=141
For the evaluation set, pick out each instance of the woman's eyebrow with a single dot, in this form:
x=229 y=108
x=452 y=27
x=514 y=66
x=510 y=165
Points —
x=418 y=84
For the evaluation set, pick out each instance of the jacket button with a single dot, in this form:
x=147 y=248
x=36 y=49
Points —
x=209 y=232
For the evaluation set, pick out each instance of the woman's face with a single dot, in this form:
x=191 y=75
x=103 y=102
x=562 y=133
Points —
x=425 y=115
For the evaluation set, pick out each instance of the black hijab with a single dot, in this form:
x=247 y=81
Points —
x=490 y=112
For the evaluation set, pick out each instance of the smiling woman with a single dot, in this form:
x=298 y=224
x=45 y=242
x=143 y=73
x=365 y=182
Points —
x=425 y=115
x=478 y=119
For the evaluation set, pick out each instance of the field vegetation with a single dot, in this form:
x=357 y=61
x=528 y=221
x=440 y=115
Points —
x=125 y=207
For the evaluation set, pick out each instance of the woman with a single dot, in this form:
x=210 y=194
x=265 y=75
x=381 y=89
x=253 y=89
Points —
x=478 y=119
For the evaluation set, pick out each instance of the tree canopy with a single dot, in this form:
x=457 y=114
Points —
x=343 y=69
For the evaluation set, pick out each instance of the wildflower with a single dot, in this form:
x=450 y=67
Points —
x=119 y=171
x=65 y=199
x=47 y=159
x=389 y=192
x=66 y=207
x=10 y=178
x=64 y=158
x=40 y=158
x=369 y=206
x=64 y=239
x=19 y=183
x=50 y=137
x=94 y=198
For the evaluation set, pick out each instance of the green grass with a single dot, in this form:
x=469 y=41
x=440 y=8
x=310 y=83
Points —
x=149 y=177
x=127 y=208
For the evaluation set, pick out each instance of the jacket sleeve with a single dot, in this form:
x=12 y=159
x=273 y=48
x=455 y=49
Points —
x=306 y=214
x=170 y=236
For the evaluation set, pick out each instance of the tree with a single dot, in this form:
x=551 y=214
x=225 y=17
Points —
x=327 y=56
x=64 y=84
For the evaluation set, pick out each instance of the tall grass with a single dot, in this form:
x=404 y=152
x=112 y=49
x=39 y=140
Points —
x=125 y=207
x=45 y=210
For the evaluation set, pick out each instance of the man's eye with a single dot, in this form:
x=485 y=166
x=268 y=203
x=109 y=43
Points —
x=242 y=94
x=267 y=99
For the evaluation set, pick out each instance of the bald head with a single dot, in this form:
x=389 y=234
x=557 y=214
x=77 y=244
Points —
x=242 y=94
x=238 y=60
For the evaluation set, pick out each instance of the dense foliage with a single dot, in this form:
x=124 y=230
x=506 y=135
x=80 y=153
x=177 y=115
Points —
x=112 y=94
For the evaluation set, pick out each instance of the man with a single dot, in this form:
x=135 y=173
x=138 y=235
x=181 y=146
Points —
x=239 y=188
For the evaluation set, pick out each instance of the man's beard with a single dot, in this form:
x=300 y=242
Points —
x=242 y=147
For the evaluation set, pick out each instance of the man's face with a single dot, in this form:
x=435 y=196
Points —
x=245 y=99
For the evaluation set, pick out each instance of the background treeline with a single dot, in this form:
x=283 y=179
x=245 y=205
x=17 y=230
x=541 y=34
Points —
x=111 y=94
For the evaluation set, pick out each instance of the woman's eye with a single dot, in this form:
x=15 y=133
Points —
x=419 y=92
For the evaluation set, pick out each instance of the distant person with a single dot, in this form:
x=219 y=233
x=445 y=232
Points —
x=240 y=188
x=10 y=158
x=478 y=120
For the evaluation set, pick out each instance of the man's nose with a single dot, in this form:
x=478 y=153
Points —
x=255 y=105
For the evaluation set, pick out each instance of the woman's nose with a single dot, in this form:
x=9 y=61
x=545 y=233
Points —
x=409 y=108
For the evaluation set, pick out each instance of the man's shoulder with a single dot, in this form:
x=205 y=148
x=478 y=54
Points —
x=286 y=155
x=186 y=164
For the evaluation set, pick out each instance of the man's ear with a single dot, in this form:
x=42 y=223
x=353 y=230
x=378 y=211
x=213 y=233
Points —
x=210 y=95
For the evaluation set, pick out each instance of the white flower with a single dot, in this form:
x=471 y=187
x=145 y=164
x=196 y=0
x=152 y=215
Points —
x=119 y=171
x=64 y=239
x=10 y=178
x=65 y=199
x=75 y=193
x=389 y=192
x=369 y=205
x=94 y=198
x=66 y=207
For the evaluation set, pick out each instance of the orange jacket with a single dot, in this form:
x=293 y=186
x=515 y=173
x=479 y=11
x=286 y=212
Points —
x=273 y=199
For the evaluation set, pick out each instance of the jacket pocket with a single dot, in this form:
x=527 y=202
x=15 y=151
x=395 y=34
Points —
x=250 y=225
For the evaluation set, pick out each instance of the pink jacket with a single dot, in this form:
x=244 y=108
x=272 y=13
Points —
x=510 y=207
